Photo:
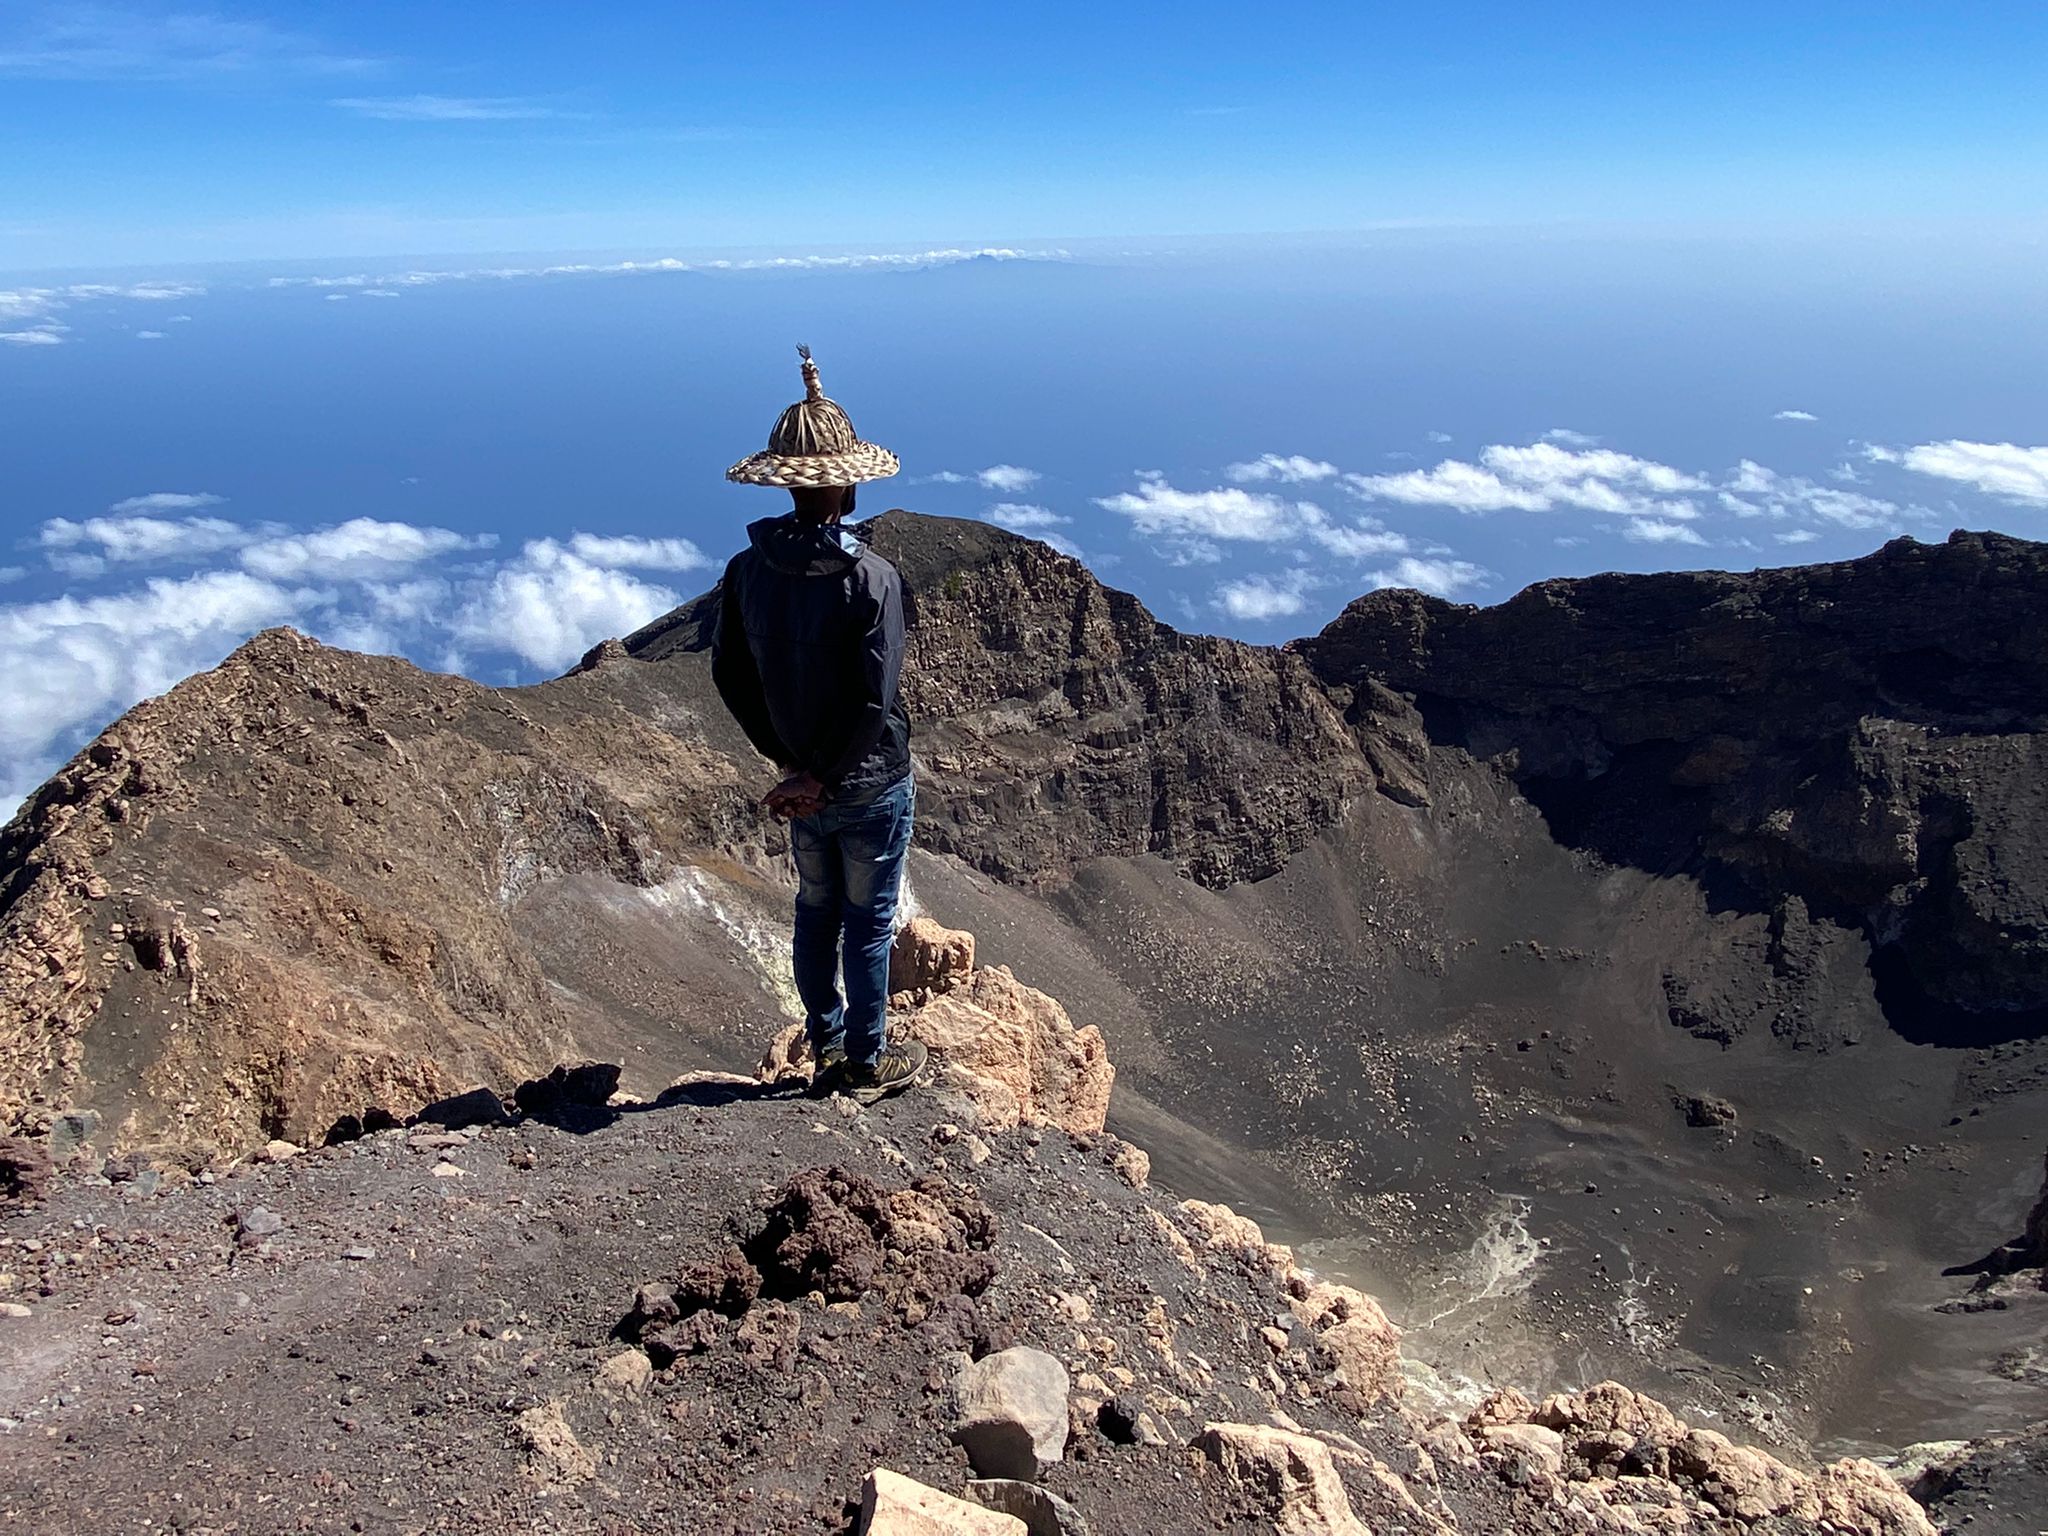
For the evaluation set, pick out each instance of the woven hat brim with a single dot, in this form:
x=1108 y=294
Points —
x=861 y=462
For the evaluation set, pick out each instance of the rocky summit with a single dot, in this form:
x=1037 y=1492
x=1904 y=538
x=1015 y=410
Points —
x=1350 y=1061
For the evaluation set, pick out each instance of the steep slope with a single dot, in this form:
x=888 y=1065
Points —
x=508 y=1328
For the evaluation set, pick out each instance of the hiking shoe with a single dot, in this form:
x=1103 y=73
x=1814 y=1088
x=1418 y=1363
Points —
x=894 y=1070
x=829 y=1077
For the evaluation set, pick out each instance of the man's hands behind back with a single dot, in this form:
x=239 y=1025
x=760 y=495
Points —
x=798 y=795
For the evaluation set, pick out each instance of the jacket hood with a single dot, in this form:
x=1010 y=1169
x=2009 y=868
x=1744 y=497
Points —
x=800 y=548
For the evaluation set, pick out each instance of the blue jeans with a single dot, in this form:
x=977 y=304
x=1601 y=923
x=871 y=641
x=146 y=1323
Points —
x=849 y=865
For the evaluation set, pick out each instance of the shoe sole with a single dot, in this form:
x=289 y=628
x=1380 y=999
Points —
x=876 y=1094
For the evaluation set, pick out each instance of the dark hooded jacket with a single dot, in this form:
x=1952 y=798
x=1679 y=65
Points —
x=808 y=652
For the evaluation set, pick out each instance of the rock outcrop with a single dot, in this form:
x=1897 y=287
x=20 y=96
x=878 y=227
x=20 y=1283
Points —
x=1058 y=720
x=1009 y=1053
x=1625 y=1459
x=894 y=1505
x=1865 y=737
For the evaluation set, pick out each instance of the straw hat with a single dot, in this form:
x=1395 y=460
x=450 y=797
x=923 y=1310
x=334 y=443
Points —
x=814 y=444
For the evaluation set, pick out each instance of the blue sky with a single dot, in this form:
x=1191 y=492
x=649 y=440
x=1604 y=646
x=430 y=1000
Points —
x=433 y=333
x=143 y=133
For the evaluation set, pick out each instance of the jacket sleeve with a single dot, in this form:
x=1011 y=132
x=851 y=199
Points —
x=879 y=669
x=737 y=677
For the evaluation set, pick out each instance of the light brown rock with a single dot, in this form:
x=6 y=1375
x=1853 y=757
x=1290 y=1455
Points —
x=894 y=1505
x=788 y=1055
x=1364 y=1350
x=1014 y=1051
x=1582 y=1437
x=629 y=1371
x=554 y=1456
x=1543 y=1447
x=1133 y=1165
x=928 y=957
x=1291 y=1475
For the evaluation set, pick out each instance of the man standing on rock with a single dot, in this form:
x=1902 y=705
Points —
x=807 y=655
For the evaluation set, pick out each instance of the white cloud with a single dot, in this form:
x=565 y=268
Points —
x=106 y=42
x=11 y=573
x=1796 y=536
x=1009 y=478
x=1258 y=599
x=149 y=335
x=638 y=554
x=1655 y=530
x=551 y=606
x=359 y=549
x=1998 y=469
x=1442 y=578
x=84 y=548
x=72 y=664
x=1024 y=517
x=39 y=308
x=1755 y=491
x=1439 y=437
x=1358 y=542
x=1795 y=416
x=1223 y=513
x=451 y=109
x=392 y=282
x=1289 y=469
x=1192 y=522
x=167 y=501
x=1538 y=477
x=1570 y=438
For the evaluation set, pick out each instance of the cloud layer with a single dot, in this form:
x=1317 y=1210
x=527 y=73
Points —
x=366 y=583
x=2005 y=470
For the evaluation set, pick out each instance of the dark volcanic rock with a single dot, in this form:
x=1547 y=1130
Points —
x=583 y=1085
x=1057 y=719
x=479 y=1106
x=843 y=1234
x=25 y=1169
x=1998 y=1485
x=1865 y=736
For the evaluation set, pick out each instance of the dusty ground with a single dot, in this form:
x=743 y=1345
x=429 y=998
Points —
x=366 y=1367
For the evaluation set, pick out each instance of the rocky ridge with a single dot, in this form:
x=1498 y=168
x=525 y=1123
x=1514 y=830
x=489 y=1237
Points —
x=408 y=1332
x=1371 y=954
x=1858 y=743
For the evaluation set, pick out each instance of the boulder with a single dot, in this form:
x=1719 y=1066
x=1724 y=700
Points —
x=894 y=1505
x=25 y=1170
x=1291 y=1476
x=788 y=1055
x=1010 y=1412
x=555 y=1458
x=1542 y=1448
x=1015 y=1052
x=1043 y=1512
x=69 y=1134
x=479 y=1106
x=628 y=1371
x=929 y=958
x=579 y=1085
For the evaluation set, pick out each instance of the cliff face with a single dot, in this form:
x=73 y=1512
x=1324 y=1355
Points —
x=1059 y=721
x=1860 y=742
